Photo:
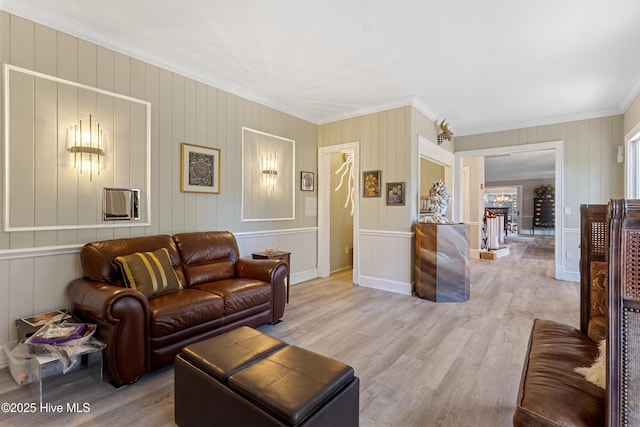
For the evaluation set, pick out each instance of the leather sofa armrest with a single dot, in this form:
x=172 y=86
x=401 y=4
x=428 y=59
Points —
x=122 y=319
x=273 y=271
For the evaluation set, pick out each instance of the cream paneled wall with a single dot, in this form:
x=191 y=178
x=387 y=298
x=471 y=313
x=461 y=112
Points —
x=35 y=267
x=591 y=173
x=385 y=145
x=388 y=142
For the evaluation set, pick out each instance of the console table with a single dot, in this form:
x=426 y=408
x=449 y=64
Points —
x=285 y=256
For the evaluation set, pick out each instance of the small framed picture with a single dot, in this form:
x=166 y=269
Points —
x=371 y=183
x=200 y=169
x=307 y=181
x=395 y=194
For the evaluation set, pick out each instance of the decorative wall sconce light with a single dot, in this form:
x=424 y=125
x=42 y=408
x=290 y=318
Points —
x=620 y=154
x=446 y=132
x=87 y=146
x=270 y=169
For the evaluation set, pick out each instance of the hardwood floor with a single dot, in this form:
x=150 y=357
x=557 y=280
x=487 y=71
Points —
x=419 y=363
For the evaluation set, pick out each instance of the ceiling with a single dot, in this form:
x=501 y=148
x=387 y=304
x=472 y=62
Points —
x=483 y=65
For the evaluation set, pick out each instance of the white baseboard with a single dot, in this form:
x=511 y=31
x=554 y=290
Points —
x=567 y=276
x=303 y=276
x=386 y=285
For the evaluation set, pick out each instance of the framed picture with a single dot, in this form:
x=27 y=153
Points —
x=306 y=181
x=200 y=169
x=395 y=194
x=371 y=183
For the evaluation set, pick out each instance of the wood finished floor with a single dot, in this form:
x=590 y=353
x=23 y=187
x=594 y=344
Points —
x=419 y=363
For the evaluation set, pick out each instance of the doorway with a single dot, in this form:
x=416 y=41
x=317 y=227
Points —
x=558 y=149
x=324 y=207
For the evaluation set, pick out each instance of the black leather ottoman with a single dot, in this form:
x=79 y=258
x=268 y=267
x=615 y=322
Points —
x=248 y=378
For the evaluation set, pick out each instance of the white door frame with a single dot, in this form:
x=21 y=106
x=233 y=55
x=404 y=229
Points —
x=558 y=147
x=324 y=202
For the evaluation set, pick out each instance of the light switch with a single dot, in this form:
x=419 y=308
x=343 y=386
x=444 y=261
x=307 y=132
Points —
x=567 y=210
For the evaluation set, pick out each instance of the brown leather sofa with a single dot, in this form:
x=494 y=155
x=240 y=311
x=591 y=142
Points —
x=220 y=291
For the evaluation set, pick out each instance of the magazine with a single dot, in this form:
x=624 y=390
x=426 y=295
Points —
x=44 y=318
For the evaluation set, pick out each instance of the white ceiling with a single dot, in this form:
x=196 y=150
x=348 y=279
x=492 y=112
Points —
x=482 y=65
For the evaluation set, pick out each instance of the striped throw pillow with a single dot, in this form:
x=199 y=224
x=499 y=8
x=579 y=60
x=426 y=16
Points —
x=149 y=272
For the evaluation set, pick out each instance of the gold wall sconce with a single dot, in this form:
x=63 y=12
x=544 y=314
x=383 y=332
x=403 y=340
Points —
x=270 y=169
x=446 y=132
x=87 y=146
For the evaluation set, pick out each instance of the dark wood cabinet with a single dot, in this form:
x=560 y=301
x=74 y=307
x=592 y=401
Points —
x=544 y=212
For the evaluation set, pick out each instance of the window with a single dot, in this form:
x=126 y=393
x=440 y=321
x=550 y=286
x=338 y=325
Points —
x=633 y=167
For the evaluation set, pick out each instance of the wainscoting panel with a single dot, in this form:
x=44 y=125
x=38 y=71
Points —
x=35 y=280
x=570 y=251
x=388 y=262
x=302 y=243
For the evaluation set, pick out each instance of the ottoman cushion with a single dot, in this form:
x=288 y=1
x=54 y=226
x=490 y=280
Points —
x=225 y=354
x=292 y=382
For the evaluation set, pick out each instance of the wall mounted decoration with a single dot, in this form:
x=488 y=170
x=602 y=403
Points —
x=371 y=182
x=269 y=162
x=307 y=181
x=268 y=177
x=51 y=179
x=395 y=194
x=445 y=132
x=346 y=171
x=200 y=169
x=87 y=146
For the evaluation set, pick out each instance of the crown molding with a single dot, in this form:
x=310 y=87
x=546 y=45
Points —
x=540 y=122
x=626 y=103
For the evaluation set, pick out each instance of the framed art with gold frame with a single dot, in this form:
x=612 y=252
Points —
x=371 y=182
x=200 y=169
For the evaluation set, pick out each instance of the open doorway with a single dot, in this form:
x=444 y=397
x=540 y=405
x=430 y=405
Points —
x=341 y=205
x=557 y=150
x=325 y=190
x=531 y=171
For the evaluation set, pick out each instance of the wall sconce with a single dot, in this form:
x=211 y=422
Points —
x=87 y=146
x=620 y=154
x=446 y=133
x=270 y=169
